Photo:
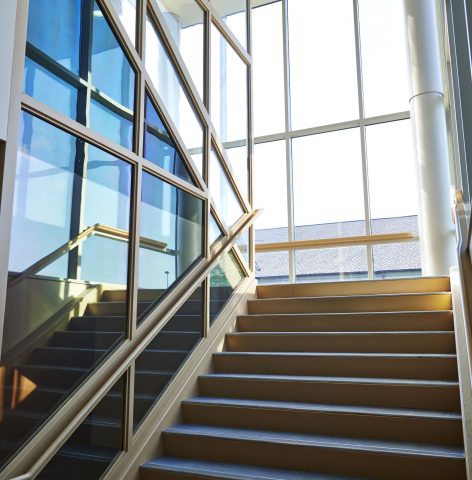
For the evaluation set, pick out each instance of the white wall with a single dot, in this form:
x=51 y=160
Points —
x=7 y=33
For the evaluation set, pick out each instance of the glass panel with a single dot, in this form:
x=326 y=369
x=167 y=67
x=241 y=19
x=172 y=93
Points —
x=323 y=75
x=328 y=185
x=239 y=162
x=233 y=14
x=268 y=69
x=392 y=177
x=167 y=84
x=397 y=260
x=224 y=279
x=243 y=244
x=171 y=238
x=91 y=449
x=331 y=264
x=222 y=192
x=126 y=10
x=272 y=224
x=162 y=358
x=77 y=300
x=228 y=93
x=185 y=23
x=159 y=147
x=215 y=232
x=272 y=267
x=384 y=57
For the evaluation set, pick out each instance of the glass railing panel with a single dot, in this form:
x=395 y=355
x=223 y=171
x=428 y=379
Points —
x=185 y=21
x=126 y=10
x=331 y=264
x=59 y=75
x=159 y=148
x=93 y=447
x=214 y=231
x=224 y=279
x=235 y=16
x=272 y=267
x=397 y=260
x=223 y=193
x=168 y=85
x=171 y=238
x=66 y=305
x=162 y=358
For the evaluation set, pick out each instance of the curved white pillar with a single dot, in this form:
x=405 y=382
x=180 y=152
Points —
x=437 y=238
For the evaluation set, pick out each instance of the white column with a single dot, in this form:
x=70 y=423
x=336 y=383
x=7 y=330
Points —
x=437 y=239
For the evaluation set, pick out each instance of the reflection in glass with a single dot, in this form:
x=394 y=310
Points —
x=397 y=260
x=214 y=232
x=237 y=157
x=171 y=237
x=167 y=83
x=66 y=191
x=159 y=147
x=234 y=15
x=268 y=69
x=328 y=185
x=229 y=112
x=331 y=264
x=224 y=279
x=222 y=192
x=243 y=244
x=166 y=353
x=126 y=10
x=185 y=22
x=324 y=83
x=384 y=57
x=272 y=267
x=91 y=449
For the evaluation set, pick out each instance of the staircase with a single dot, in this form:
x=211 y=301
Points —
x=328 y=381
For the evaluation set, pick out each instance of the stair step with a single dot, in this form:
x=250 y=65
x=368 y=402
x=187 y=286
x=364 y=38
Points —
x=337 y=420
x=348 y=322
x=355 y=303
x=53 y=376
x=67 y=357
x=169 y=468
x=175 y=340
x=365 y=287
x=375 y=392
x=91 y=323
x=408 y=366
x=144 y=295
x=368 y=342
x=167 y=360
x=332 y=455
x=84 y=339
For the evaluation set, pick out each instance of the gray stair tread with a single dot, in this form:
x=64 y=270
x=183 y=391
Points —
x=337 y=333
x=302 y=439
x=234 y=471
x=366 y=295
x=349 y=314
x=314 y=407
x=316 y=379
x=338 y=354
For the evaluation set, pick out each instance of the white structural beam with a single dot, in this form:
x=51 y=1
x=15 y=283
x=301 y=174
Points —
x=7 y=34
x=437 y=240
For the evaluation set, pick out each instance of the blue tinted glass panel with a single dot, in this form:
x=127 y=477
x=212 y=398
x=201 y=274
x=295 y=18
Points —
x=214 y=231
x=159 y=147
x=111 y=72
x=110 y=124
x=49 y=89
x=54 y=28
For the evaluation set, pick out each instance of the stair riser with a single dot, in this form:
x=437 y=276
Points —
x=317 y=459
x=62 y=379
x=393 y=396
x=148 y=384
x=98 y=324
x=417 y=285
x=355 y=304
x=98 y=340
x=394 y=428
x=408 y=368
x=73 y=468
x=158 y=474
x=67 y=357
x=363 y=343
x=175 y=341
x=354 y=323
x=160 y=361
x=184 y=323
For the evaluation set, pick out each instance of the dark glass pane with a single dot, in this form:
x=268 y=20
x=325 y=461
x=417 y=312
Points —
x=171 y=237
x=111 y=71
x=224 y=278
x=166 y=353
x=67 y=315
x=54 y=29
x=159 y=147
x=91 y=449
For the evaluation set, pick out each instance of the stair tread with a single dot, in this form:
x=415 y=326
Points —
x=366 y=295
x=337 y=354
x=350 y=314
x=319 y=407
x=336 y=334
x=328 y=379
x=233 y=471
x=302 y=439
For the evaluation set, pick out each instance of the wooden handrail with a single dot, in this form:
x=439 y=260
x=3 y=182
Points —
x=336 y=242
